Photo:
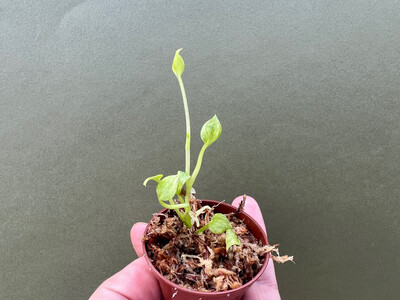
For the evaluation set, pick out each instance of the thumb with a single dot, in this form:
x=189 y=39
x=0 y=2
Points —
x=135 y=281
x=137 y=233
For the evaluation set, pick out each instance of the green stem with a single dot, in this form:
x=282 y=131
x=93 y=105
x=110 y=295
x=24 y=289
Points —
x=202 y=229
x=183 y=216
x=186 y=217
x=181 y=199
x=187 y=145
x=187 y=220
x=191 y=180
x=180 y=215
x=173 y=206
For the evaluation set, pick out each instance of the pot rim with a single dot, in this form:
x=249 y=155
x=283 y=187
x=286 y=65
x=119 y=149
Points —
x=195 y=292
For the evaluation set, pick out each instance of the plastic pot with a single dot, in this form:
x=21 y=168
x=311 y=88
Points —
x=173 y=291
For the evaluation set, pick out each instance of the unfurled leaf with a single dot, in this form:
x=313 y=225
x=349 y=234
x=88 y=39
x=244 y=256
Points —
x=167 y=187
x=156 y=178
x=171 y=185
x=231 y=239
x=219 y=223
x=211 y=131
x=178 y=65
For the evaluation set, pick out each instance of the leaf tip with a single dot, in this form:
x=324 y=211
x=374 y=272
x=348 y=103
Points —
x=156 y=178
x=178 y=65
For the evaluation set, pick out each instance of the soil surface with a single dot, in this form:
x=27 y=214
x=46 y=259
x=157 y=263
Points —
x=201 y=262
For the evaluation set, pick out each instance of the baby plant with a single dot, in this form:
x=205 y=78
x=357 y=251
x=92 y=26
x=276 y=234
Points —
x=171 y=186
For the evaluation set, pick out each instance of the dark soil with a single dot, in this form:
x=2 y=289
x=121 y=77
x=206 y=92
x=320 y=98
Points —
x=201 y=262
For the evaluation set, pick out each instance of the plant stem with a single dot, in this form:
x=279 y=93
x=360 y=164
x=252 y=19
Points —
x=180 y=215
x=202 y=229
x=183 y=216
x=186 y=218
x=191 y=180
x=187 y=145
x=173 y=206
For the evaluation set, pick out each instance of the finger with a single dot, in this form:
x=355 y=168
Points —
x=265 y=287
x=251 y=207
x=137 y=232
x=135 y=281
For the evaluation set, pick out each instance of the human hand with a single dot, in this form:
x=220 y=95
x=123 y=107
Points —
x=136 y=281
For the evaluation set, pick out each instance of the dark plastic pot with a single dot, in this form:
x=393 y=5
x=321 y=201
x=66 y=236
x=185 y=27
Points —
x=176 y=292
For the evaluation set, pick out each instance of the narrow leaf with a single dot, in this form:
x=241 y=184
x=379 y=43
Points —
x=231 y=239
x=178 y=65
x=211 y=131
x=156 y=178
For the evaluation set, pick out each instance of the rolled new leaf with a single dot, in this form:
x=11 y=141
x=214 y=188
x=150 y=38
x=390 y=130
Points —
x=211 y=131
x=178 y=65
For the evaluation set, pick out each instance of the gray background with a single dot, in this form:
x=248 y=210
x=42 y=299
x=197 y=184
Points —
x=308 y=96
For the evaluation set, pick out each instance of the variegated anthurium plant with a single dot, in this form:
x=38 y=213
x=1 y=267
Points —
x=170 y=187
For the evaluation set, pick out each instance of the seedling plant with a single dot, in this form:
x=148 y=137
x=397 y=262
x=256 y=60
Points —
x=172 y=185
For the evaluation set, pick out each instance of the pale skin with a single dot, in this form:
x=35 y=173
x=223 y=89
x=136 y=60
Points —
x=136 y=282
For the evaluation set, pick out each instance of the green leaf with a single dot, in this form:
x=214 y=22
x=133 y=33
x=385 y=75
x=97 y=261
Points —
x=219 y=224
x=156 y=178
x=211 y=131
x=171 y=185
x=178 y=65
x=166 y=189
x=182 y=178
x=231 y=239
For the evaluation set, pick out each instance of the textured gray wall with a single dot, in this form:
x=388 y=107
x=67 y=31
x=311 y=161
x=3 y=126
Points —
x=308 y=96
